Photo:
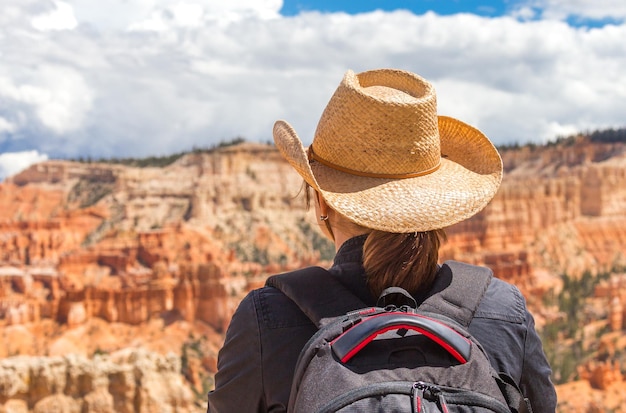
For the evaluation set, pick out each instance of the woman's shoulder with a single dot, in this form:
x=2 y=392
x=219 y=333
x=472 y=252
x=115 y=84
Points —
x=274 y=309
x=502 y=301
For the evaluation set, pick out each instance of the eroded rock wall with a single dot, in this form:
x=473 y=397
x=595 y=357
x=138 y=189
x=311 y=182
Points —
x=127 y=381
x=86 y=246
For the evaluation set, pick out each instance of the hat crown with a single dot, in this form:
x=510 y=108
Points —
x=381 y=122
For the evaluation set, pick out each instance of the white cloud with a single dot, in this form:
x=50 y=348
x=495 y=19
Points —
x=61 y=18
x=151 y=14
x=177 y=14
x=6 y=126
x=58 y=95
x=12 y=163
x=192 y=73
x=562 y=9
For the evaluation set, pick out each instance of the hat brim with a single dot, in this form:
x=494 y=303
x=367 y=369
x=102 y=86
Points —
x=468 y=178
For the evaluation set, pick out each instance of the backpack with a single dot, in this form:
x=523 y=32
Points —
x=396 y=356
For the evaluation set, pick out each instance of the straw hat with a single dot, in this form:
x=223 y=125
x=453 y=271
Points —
x=382 y=157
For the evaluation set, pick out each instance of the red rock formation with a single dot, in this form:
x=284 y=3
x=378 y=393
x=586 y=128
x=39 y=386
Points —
x=613 y=295
x=602 y=375
x=563 y=208
x=83 y=246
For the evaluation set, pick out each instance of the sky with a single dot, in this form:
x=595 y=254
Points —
x=135 y=78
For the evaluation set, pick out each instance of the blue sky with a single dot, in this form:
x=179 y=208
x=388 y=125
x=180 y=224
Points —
x=133 y=78
x=482 y=8
x=485 y=8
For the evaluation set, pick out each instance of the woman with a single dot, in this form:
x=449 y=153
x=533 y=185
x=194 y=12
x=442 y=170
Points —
x=388 y=174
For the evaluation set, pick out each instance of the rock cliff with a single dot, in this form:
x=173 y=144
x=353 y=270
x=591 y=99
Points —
x=98 y=258
x=560 y=209
x=124 y=382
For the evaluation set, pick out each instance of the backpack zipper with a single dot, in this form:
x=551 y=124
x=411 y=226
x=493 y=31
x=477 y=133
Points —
x=430 y=392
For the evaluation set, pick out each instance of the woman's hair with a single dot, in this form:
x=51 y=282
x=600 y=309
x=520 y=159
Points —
x=396 y=259
x=401 y=260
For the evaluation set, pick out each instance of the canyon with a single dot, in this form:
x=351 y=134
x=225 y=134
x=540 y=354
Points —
x=117 y=280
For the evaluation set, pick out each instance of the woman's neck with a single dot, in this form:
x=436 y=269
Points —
x=345 y=232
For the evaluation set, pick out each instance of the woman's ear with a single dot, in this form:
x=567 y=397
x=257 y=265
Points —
x=322 y=209
x=322 y=205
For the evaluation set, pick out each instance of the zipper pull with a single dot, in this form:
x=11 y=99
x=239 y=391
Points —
x=417 y=394
x=442 y=403
x=436 y=391
x=423 y=391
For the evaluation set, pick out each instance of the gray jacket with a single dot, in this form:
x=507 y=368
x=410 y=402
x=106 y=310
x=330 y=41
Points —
x=268 y=330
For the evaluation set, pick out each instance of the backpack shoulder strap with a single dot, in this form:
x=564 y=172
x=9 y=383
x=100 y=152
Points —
x=316 y=292
x=457 y=291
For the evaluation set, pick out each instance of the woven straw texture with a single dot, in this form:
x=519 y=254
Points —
x=383 y=158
